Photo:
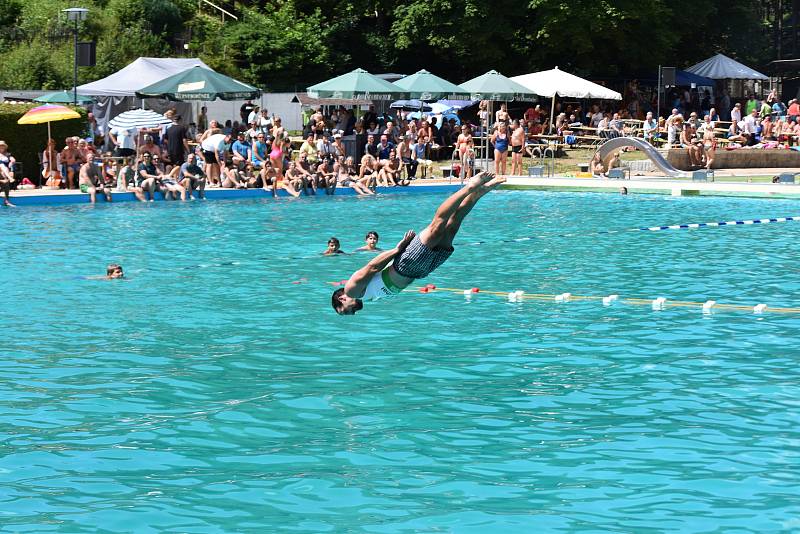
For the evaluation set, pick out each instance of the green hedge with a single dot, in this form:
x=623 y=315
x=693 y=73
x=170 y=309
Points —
x=27 y=141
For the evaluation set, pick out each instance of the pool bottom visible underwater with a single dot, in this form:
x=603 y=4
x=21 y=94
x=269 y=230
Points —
x=216 y=391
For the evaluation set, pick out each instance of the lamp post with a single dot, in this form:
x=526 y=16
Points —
x=77 y=15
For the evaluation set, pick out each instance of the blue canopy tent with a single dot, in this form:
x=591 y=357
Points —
x=686 y=78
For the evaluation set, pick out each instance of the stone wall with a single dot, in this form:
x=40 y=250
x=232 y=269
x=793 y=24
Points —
x=743 y=158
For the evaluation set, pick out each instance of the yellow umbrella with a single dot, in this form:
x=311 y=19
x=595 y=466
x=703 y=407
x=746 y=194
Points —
x=48 y=113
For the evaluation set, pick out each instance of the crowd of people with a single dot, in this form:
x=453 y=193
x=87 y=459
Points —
x=179 y=161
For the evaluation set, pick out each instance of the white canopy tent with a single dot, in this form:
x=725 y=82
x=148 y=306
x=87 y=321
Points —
x=138 y=75
x=558 y=82
x=115 y=94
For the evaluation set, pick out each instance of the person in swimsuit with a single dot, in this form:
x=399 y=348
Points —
x=371 y=243
x=709 y=146
x=346 y=176
x=114 y=272
x=517 y=142
x=463 y=144
x=500 y=142
x=72 y=160
x=276 y=157
x=7 y=178
x=334 y=247
x=90 y=181
x=415 y=256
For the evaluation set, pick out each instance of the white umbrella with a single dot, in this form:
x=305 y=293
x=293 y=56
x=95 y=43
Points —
x=139 y=118
x=557 y=82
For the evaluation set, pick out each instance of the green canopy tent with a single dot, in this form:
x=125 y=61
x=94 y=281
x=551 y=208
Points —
x=199 y=83
x=63 y=97
x=357 y=84
x=494 y=86
x=422 y=85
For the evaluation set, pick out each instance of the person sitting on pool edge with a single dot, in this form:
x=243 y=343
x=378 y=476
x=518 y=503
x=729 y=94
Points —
x=415 y=256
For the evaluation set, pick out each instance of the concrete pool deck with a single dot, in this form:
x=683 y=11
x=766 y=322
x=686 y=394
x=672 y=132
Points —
x=637 y=184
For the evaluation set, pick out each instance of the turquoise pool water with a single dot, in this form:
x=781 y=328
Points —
x=210 y=393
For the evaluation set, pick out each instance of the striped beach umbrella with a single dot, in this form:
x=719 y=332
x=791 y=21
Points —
x=47 y=114
x=138 y=118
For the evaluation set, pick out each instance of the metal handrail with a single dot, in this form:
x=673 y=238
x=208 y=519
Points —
x=215 y=6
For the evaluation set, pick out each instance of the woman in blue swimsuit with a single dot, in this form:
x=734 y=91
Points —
x=500 y=142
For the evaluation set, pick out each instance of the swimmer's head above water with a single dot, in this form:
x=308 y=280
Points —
x=114 y=271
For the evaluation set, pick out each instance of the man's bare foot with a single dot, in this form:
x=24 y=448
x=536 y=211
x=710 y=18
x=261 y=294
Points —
x=493 y=183
x=8 y=204
x=479 y=179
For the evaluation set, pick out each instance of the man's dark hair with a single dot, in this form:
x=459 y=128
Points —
x=372 y=232
x=335 y=299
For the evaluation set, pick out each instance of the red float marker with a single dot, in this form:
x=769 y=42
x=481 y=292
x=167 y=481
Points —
x=424 y=289
x=430 y=286
x=475 y=290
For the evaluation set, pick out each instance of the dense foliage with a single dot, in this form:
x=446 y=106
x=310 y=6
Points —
x=289 y=44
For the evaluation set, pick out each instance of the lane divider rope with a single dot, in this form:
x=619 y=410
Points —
x=659 y=303
x=686 y=226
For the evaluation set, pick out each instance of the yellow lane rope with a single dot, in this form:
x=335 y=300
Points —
x=622 y=300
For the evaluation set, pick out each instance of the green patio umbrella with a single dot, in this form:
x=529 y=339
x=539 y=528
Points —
x=423 y=85
x=199 y=83
x=495 y=86
x=357 y=84
x=63 y=97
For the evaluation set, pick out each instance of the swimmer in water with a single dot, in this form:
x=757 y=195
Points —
x=371 y=243
x=333 y=247
x=415 y=256
x=114 y=272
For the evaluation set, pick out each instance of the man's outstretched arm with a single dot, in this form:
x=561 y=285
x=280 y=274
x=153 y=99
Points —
x=357 y=284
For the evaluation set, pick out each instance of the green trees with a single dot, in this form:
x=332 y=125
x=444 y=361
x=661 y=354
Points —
x=288 y=44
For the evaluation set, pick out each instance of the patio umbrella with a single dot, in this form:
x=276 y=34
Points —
x=357 y=84
x=557 y=82
x=416 y=105
x=199 y=83
x=138 y=118
x=429 y=87
x=63 y=97
x=48 y=113
x=495 y=86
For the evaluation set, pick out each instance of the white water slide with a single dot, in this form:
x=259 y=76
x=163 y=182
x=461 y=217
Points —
x=610 y=147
